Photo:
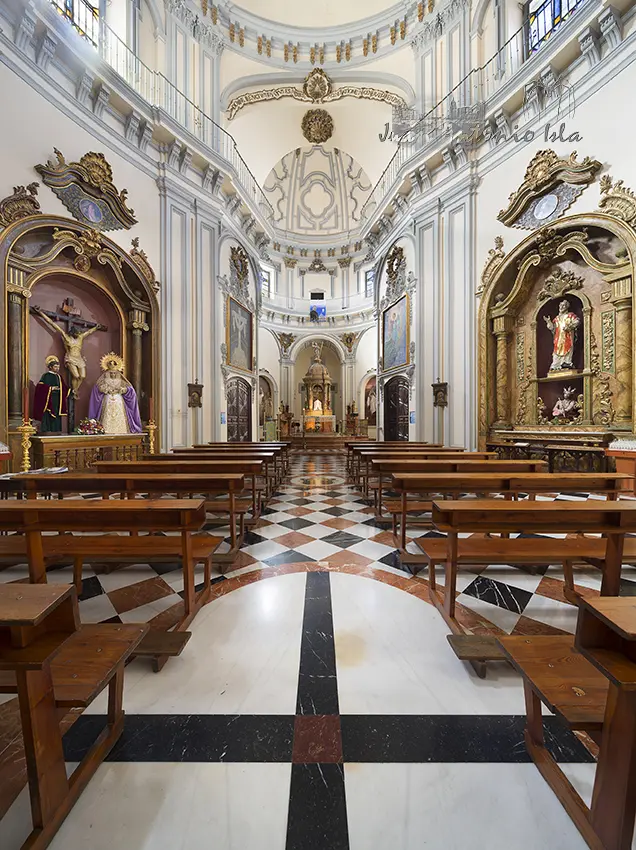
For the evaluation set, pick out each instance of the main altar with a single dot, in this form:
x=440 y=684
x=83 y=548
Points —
x=317 y=413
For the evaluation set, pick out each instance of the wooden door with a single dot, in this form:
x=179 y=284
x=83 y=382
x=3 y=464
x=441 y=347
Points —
x=396 y=409
x=239 y=411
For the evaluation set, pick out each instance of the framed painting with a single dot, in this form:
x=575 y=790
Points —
x=238 y=333
x=395 y=334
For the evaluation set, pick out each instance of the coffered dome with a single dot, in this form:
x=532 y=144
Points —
x=317 y=192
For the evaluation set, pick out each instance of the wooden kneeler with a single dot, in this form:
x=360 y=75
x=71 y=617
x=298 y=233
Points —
x=58 y=665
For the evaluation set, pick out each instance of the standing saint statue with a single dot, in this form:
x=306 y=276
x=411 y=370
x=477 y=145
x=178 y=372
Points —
x=113 y=400
x=563 y=328
x=51 y=398
x=73 y=342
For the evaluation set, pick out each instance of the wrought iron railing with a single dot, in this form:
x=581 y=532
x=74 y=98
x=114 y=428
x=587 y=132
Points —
x=83 y=17
x=545 y=18
x=159 y=92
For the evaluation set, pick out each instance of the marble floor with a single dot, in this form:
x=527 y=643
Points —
x=318 y=704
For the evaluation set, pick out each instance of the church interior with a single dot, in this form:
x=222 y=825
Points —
x=318 y=425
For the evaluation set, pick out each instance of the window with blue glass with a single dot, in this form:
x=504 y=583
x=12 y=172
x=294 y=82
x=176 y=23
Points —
x=266 y=284
x=369 y=280
x=544 y=17
x=83 y=17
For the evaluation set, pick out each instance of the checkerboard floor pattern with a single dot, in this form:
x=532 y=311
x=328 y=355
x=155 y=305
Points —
x=317 y=516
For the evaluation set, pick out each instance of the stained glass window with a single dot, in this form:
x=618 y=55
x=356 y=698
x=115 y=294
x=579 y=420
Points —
x=83 y=16
x=544 y=18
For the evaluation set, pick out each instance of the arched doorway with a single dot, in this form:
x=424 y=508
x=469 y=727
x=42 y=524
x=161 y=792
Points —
x=239 y=411
x=396 y=409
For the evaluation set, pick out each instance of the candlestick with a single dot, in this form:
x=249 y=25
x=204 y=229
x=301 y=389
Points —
x=25 y=404
x=151 y=409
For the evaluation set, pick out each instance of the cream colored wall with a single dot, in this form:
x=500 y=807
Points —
x=236 y=65
x=269 y=356
x=314 y=14
x=366 y=365
x=37 y=127
x=265 y=132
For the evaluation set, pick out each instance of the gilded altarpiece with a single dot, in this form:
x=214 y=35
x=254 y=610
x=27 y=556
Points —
x=66 y=266
x=556 y=337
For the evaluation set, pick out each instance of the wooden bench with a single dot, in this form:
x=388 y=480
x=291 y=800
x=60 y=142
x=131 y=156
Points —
x=352 y=445
x=268 y=470
x=234 y=506
x=367 y=459
x=590 y=683
x=612 y=519
x=59 y=665
x=33 y=517
x=511 y=485
x=282 y=446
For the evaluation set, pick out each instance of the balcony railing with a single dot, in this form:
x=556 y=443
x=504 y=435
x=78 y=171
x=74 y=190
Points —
x=462 y=112
x=160 y=93
x=83 y=17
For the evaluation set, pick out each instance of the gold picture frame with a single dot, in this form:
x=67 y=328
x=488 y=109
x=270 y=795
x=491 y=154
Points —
x=239 y=335
x=398 y=338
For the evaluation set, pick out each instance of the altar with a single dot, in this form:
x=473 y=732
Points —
x=317 y=413
x=319 y=424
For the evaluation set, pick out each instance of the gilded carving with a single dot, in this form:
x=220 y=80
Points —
x=617 y=200
x=87 y=190
x=88 y=246
x=523 y=391
x=286 y=342
x=140 y=259
x=546 y=171
x=317 y=88
x=21 y=204
x=317 y=126
x=349 y=340
x=558 y=283
x=494 y=259
x=608 y=337
x=521 y=362
x=602 y=406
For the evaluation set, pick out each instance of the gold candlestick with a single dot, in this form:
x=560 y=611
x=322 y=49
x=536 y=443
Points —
x=27 y=431
x=151 y=429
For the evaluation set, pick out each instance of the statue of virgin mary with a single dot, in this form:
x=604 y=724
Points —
x=113 y=400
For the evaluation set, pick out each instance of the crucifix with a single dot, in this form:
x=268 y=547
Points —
x=68 y=322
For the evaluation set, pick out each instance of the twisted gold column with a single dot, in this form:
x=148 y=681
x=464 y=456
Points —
x=623 y=354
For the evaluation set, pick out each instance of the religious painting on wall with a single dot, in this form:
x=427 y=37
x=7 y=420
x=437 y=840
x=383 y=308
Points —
x=371 y=402
x=395 y=334
x=239 y=336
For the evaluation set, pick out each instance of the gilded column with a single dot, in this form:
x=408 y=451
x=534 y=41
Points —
x=502 y=327
x=136 y=325
x=623 y=354
x=15 y=358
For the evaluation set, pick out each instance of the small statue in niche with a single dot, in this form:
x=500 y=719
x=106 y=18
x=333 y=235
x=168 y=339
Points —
x=563 y=328
x=318 y=406
x=567 y=408
x=113 y=400
x=51 y=398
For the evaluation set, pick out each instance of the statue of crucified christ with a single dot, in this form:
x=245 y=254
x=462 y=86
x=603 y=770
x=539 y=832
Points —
x=73 y=341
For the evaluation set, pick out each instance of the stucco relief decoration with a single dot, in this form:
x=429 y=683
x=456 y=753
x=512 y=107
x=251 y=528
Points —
x=396 y=275
x=317 y=88
x=558 y=283
x=494 y=259
x=140 y=259
x=617 y=200
x=432 y=28
x=315 y=191
x=238 y=285
x=87 y=191
x=21 y=204
x=317 y=126
x=286 y=341
x=203 y=33
x=349 y=340
x=550 y=186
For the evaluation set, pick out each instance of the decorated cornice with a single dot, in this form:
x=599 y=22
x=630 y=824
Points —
x=317 y=88
x=21 y=204
x=280 y=44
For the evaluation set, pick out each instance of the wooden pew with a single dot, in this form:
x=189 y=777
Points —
x=234 y=506
x=590 y=683
x=510 y=485
x=360 y=453
x=272 y=469
x=283 y=445
x=363 y=473
x=56 y=665
x=33 y=517
x=612 y=519
x=351 y=445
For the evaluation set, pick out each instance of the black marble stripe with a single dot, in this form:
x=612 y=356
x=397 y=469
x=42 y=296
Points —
x=317 y=817
x=189 y=738
x=317 y=685
x=466 y=738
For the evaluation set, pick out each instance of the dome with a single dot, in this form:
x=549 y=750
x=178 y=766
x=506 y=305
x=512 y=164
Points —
x=318 y=372
x=317 y=192
x=292 y=13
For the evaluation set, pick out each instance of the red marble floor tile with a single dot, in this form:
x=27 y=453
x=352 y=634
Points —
x=317 y=740
x=293 y=539
x=387 y=538
x=134 y=595
x=346 y=557
x=338 y=523
x=553 y=588
x=297 y=511
x=167 y=619
x=526 y=626
x=242 y=559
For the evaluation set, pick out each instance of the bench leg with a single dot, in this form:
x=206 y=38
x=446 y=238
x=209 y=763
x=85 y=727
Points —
x=78 y=563
x=568 y=590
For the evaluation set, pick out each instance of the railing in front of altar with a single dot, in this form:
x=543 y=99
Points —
x=82 y=451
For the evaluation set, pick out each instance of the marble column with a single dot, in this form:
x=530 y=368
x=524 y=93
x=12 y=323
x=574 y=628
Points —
x=623 y=353
x=15 y=337
x=290 y=265
x=345 y=263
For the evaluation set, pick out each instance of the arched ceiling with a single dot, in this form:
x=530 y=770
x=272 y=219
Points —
x=317 y=192
x=320 y=13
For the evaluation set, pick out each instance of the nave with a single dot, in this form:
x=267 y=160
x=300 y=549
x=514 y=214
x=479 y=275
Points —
x=318 y=703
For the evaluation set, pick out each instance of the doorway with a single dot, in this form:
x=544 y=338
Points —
x=396 y=409
x=239 y=411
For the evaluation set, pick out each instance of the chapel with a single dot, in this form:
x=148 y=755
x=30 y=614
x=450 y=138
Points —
x=317 y=425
